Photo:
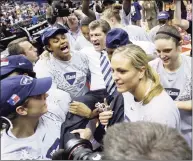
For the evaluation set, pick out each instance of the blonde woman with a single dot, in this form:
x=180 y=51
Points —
x=142 y=94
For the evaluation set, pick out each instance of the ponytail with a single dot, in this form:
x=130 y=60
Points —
x=156 y=89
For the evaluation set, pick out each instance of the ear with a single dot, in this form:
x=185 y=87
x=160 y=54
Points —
x=48 y=48
x=142 y=72
x=112 y=19
x=21 y=110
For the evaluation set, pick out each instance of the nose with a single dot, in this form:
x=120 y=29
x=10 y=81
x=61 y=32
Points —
x=115 y=76
x=62 y=41
x=161 y=55
x=93 y=38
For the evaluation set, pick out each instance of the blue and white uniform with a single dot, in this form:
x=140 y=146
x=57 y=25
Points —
x=40 y=146
x=69 y=76
x=179 y=86
x=160 y=109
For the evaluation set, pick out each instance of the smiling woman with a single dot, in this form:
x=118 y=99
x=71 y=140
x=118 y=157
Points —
x=143 y=96
x=175 y=74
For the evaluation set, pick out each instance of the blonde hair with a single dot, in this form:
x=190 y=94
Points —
x=139 y=59
x=111 y=12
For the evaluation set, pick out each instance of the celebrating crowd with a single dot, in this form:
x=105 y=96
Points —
x=102 y=77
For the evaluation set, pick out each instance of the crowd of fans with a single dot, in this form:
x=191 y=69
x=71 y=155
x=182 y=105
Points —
x=111 y=72
x=26 y=15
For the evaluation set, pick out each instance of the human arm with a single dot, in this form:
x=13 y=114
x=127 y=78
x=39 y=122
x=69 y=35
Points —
x=127 y=6
x=79 y=108
x=139 y=6
x=184 y=24
x=84 y=133
x=79 y=14
x=86 y=10
x=143 y=12
x=156 y=8
x=184 y=105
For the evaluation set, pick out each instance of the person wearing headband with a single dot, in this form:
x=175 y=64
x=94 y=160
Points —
x=174 y=70
x=33 y=131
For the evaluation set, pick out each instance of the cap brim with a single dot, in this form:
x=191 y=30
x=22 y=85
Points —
x=60 y=30
x=53 y=33
x=162 y=18
x=5 y=71
x=42 y=86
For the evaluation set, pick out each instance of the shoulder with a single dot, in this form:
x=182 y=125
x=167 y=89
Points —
x=164 y=110
x=154 y=63
x=163 y=102
x=87 y=49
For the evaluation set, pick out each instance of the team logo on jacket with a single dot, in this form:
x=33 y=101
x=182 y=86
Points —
x=70 y=77
x=25 y=80
x=173 y=92
x=53 y=148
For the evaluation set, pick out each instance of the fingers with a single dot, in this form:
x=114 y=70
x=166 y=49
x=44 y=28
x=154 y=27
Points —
x=84 y=133
x=75 y=103
x=77 y=131
x=105 y=116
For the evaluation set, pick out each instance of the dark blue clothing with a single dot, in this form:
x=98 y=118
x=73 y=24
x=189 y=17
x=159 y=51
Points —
x=137 y=15
x=34 y=20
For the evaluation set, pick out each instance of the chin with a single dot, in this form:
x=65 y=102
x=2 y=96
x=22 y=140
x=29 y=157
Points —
x=122 y=90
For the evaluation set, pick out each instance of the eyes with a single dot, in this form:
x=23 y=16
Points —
x=121 y=71
x=56 y=39
x=95 y=35
x=164 y=51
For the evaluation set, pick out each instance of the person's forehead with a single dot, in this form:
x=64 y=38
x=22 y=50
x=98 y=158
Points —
x=165 y=43
x=97 y=30
x=57 y=35
x=25 y=44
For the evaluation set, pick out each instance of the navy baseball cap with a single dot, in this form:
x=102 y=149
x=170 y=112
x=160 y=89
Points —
x=117 y=37
x=10 y=63
x=50 y=32
x=163 y=15
x=15 y=90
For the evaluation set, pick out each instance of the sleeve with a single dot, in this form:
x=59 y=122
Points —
x=58 y=103
x=126 y=19
x=165 y=112
x=42 y=70
x=139 y=6
x=154 y=64
x=117 y=107
x=171 y=119
x=97 y=81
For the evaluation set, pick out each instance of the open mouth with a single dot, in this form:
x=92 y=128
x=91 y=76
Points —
x=65 y=49
x=165 y=59
x=96 y=45
x=119 y=85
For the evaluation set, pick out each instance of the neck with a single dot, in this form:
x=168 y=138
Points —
x=118 y=25
x=63 y=58
x=24 y=127
x=141 y=90
x=174 y=65
x=75 y=29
